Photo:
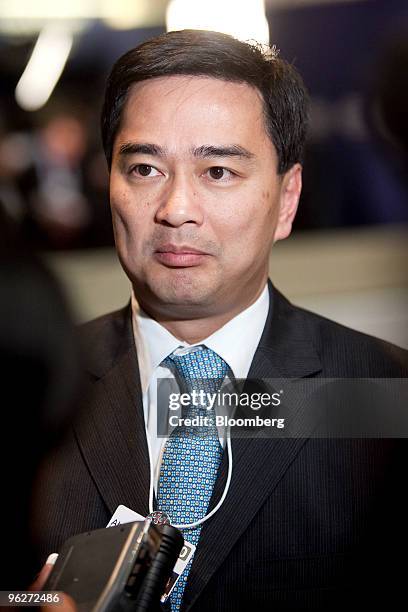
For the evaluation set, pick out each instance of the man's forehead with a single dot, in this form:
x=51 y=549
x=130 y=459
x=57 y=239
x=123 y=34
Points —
x=201 y=83
x=205 y=99
x=211 y=111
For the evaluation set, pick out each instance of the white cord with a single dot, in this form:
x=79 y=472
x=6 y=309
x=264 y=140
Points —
x=217 y=507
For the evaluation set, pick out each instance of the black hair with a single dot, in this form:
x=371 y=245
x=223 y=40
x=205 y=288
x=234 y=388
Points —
x=212 y=54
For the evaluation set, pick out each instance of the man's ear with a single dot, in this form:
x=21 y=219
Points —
x=289 y=199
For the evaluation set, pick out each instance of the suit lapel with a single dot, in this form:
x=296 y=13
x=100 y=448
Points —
x=111 y=432
x=286 y=350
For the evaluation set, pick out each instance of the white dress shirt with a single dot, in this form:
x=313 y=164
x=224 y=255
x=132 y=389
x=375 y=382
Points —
x=235 y=342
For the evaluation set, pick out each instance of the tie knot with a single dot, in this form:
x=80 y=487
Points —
x=199 y=368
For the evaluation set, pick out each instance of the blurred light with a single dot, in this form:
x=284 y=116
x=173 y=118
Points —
x=28 y=16
x=30 y=27
x=124 y=14
x=243 y=19
x=44 y=67
x=47 y=9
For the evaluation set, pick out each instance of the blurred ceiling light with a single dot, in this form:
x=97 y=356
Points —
x=27 y=16
x=47 y=9
x=124 y=14
x=244 y=19
x=44 y=67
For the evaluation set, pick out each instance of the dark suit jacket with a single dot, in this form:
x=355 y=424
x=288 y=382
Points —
x=308 y=524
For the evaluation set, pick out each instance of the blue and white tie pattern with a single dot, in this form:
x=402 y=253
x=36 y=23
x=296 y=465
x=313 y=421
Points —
x=192 y=455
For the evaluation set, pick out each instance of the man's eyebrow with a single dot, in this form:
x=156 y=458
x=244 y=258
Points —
x=145 y=148
x=222 y=151
x=202 y=152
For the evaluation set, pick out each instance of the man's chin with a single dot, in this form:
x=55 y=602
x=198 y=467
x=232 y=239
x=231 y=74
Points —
x=181 y=298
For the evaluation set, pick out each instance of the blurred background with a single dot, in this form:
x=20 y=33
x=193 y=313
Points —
x=347 y=257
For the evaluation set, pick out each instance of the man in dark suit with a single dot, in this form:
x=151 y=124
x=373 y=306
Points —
x=204 y=136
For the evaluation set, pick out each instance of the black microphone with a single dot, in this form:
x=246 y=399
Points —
x=118 y=568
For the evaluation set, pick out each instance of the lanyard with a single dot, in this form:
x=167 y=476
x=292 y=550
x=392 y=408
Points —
x=214 y=510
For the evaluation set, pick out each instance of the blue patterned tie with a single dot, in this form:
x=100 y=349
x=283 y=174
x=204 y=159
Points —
x=192 y=455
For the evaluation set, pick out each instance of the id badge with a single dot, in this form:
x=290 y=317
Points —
x=123 y=515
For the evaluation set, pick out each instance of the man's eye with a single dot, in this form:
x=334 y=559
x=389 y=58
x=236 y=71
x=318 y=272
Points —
x=218 y=173
x=144 y=170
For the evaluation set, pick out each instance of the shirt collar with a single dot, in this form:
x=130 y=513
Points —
x=235 y=342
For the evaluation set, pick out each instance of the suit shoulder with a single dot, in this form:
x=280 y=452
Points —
x=103 y=339
x=353 y=352
x=102 y=324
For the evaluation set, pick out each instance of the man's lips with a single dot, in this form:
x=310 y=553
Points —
x=179 y=256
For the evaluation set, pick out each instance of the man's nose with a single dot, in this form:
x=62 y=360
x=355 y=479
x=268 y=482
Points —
x=180 y=204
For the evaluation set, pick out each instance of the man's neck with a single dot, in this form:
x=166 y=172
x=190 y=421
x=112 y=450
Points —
x=194 y=330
